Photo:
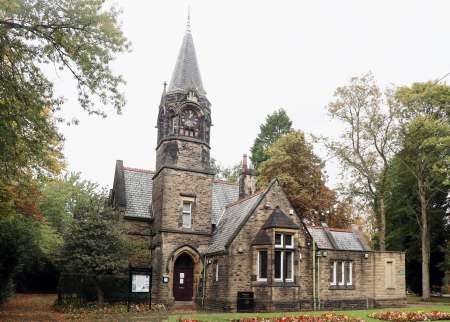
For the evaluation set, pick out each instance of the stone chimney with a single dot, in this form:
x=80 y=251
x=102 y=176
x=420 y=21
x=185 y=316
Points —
x=247 y=179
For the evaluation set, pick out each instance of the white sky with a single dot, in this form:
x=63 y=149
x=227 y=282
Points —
x=255 y=57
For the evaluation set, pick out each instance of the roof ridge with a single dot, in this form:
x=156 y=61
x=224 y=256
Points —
x=244 y=199
x=340 y=230
x=234 y=183
x=138 y=170
x=346 y=230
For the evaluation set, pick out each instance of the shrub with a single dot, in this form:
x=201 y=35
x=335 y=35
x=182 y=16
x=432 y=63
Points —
x=329 y=317
x=410 y=316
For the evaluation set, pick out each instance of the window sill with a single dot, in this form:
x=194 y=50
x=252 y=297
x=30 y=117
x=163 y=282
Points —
x=341 y=287
x=284 y=284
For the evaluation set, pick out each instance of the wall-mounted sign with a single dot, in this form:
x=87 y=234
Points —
x=140 y=283
x=165 y=278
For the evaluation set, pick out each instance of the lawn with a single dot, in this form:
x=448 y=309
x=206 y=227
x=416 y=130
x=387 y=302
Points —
x=362 y=314
x=39 y=307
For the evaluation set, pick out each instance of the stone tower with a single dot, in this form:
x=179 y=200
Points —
x=182 y=184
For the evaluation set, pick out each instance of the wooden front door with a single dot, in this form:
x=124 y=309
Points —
x=183 y=278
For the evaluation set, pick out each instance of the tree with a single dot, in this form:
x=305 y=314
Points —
x=367 y=142
x=230 y=174
x=403 y=229
x=17 y=241
x=80 y=37
x=429 y=98
x=277 y=124
x=426 y=154
x=291 y=159
x=94 y=244
x=62 y=197
x=342 y=214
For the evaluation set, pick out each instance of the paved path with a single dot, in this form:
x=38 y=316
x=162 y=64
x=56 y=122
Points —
x=30 y=307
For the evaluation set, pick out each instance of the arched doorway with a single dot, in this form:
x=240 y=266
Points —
x=183 y=273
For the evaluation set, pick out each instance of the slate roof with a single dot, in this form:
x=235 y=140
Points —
x=262 y=238
x=186 y=74
x=138 y=192
x=339 y=239
x=278 y=219
x=223 y=193
x=229 y=223
x=320 y=237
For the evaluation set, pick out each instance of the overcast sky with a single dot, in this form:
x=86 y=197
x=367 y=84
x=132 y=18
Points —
x=254 y=57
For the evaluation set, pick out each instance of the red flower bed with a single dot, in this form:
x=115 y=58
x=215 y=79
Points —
x=411 y=316
x=302 y=318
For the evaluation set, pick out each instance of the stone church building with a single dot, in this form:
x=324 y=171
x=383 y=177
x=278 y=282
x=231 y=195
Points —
x=212 y=243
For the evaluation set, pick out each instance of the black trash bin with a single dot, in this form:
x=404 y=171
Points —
x=245 y=302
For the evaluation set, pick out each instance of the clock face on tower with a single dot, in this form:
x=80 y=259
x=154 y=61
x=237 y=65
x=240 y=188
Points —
x=189 y=119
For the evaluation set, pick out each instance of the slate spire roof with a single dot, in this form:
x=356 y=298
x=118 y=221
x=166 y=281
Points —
x=186 y=74
x=278 y=219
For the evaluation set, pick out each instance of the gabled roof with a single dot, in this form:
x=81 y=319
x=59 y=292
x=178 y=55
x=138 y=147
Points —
x=339 y=239
x=186 y=74
x=223 y=193
x=278 y=219
x=138 y=192
x=230 y=222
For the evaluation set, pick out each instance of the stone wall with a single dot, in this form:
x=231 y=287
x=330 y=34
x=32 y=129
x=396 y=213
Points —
x=368 y=286
x=170 y=188
x=239 y=272
x=138 y=231
x=241 y=261
x=186 y=153
x=384 y=294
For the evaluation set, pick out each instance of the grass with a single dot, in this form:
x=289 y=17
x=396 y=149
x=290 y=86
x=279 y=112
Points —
x=39 y=307
x=362 y=314
x=414 y=299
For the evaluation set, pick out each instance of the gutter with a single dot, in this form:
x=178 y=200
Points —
x=204 y=280
x=318 y=278
x=314 y=273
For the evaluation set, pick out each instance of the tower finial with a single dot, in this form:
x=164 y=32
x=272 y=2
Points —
x=188 y=23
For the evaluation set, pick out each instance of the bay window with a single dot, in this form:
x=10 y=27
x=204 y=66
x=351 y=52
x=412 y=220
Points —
x=284 y=258
x=262 y=265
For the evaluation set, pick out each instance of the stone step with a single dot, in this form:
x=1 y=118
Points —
x=183 y=306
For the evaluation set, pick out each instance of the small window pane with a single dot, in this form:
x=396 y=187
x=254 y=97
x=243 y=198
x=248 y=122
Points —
x=262 y=274
x=348 y=273
x=333 y=273
x=278 y=240
x=187 y=220
x=278 y=265
x=288 y=241
x=289 y=264
x=186 y=207
x=341 y=273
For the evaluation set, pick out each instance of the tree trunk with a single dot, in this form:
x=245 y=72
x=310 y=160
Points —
x=382 y=228
x=100 y=295
x=425 y=242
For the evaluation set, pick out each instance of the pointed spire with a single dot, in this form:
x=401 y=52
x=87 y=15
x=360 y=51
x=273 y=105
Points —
x=186 y=74
x=188 y=23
